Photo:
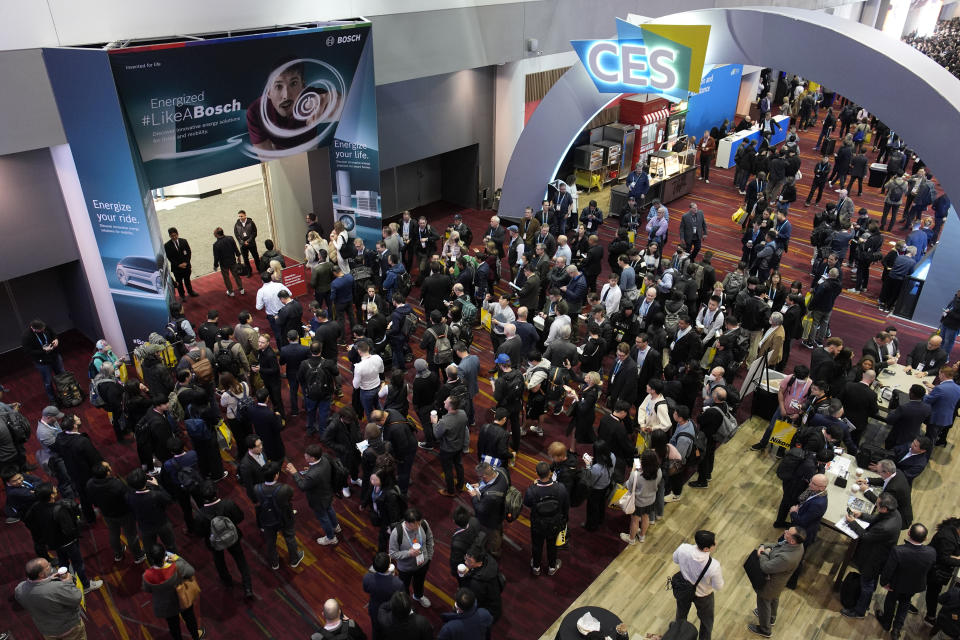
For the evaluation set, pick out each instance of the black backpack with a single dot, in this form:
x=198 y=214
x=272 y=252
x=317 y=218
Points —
x=895 y=194
x=699 y=442
x=268 y=512
x=189 y=478
x=410 y=322
x=319 y=383
x=404 y=283
x=225 y=361
x=547 y=515
x=513 y=394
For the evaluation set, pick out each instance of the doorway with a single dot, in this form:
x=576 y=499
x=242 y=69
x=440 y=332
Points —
x=451 y=177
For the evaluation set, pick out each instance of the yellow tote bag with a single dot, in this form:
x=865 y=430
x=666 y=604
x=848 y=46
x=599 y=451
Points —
x=618 y=492
x=562 y=537
x=783 y=433
x=486 y=319
x=306 y=340
x=807 y=325
x=641 y=443
x=631 y=236
x=738 y=215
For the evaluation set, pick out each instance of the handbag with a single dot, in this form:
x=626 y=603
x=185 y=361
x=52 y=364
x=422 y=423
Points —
x=782 y=435
x=187 y=592
x=486 y=319
x=627 y=501
x=562 y=537
x=682 y=589
x=738 y=215
x=224 y=436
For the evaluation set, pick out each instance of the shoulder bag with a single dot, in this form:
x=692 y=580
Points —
x=682 y=589
x=188 y=590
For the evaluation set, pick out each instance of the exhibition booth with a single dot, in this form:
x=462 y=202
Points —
x=148 y=115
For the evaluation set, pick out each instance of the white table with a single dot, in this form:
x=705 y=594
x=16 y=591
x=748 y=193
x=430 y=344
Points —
x=838 y=498
x=896 y=377
x=727 y=147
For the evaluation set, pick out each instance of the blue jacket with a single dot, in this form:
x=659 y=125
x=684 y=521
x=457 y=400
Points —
x=918 y=238
x=825 y=295
x=576 y=292
x=341 y=289
x=467 y=625
x=943 y=400
x=912 y=466
x=393 y=279
x=808 y=516
x=902 y=268
x=641 y=184
x=399 y=315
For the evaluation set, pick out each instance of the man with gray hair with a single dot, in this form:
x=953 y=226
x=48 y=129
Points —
x=895 y=484
x=512 y=344
x=52 y=600
x=337 y=626
x=873 y=547
x=771 y=344
x=821 y=306
x=575 y=292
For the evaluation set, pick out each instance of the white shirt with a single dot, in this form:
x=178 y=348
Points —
x=691 y=561
x=366 y=373
x=558 y=321
x=711 y=321
x=612 y=299
x=267 y=297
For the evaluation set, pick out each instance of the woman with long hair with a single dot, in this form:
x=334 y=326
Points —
x=660 y=443
x=234 y=392
x=452 y=249
x=776 y=291
x=946 y=542
x=385 y=501
x=583 y=411
x=161 y=579
x=311 y=251
x=600 y=471
x=643 y=482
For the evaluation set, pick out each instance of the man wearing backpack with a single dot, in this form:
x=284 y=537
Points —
x=549 y=512
x=451 y=433
x=397 y=333
x=711 y=422
x=182 y=479
x=275 y=515
x=219 y=521
x=229 y=357
x=691 y=447
x=488 y=504
x=316 y=376
x=179 y=331
x=316 y=481
x=508 y=392
x=437 y=343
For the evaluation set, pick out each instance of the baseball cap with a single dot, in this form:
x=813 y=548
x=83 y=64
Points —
x=513 y=227
x=457 y=216
x=502 y=359
x=52 y=412
x=101 y=344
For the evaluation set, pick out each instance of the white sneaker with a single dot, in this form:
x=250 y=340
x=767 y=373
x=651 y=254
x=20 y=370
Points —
x=626 y=538
x=641 y=538
x=346 y=492
x=707 y=181
x=339 y=529
x=537 y=430
x=424 y=601
x=357 y=483
x=671 y=498
x=326 y=542
x=242 y=292
x=231 y=293
x=93 y=586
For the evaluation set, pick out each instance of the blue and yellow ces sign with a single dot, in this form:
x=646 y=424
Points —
x=665 y=59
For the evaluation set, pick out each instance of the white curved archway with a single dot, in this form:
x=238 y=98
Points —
x=907 y=90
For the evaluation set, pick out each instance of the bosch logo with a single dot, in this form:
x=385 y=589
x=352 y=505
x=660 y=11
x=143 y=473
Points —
x=330 y=41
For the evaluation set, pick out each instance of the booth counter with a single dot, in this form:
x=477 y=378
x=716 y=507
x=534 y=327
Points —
x=670 y=178
x=727 y=148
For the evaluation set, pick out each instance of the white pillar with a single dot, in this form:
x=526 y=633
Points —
x=87 y=243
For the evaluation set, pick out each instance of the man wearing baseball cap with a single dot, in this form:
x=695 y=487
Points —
x=48 y=428
x=508 y=392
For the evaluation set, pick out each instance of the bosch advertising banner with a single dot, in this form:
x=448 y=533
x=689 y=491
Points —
x=143 y=117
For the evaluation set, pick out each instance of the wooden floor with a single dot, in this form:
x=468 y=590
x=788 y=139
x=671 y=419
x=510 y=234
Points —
x=739 y=506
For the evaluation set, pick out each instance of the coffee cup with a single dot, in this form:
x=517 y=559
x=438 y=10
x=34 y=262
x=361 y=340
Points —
x=461 y=569
x=859 y=472
x=854 y=488
x=415 y=546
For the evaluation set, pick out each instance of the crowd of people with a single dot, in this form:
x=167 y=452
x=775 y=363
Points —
x=941 y=46
x=639 y=365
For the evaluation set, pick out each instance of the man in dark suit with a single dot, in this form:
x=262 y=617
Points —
x=225 y=257
x=873 y=546
x=927 y=356
x=290 y=316
x=877 y=349
x=79 y=455
x=613 y=430
x=513 y=344
x=434 y=290
x=251 y=466
x=860 y=403
x=904 y=574
x=907 y=420
x=381 y=584
x=178 y=255
x=810 y=507
x=529 y=294
x=623 y=377
x=913 y=458
x=687 y=345
x=245 y=231
x=424 y=238
x=314 y=481
x=497 y=234
x=649 y=364
x=894 y=483
x=267 y=424
x=591 y=217
x=693 y=229
x=593 y=263
x=792 y=327
x=822 y=359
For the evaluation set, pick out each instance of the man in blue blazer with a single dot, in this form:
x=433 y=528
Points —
x=943 y=400
x=912 y=458
x=810 y=507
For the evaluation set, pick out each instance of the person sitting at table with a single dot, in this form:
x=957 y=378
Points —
x=927 y=356
x=906 y=420
x=895 y=484
x=835 y=417
x=912 y=458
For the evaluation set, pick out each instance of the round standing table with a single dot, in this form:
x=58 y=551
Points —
x=568 y=628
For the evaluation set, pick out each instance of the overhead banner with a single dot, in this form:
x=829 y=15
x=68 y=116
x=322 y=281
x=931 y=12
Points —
x=652 y=58
x=203 y=107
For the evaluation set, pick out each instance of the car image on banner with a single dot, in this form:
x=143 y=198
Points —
x=143 y=272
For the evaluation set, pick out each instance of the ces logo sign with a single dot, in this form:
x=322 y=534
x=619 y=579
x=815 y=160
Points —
x=666 y=59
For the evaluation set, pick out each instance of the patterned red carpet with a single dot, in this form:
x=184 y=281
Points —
x=288 y=601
